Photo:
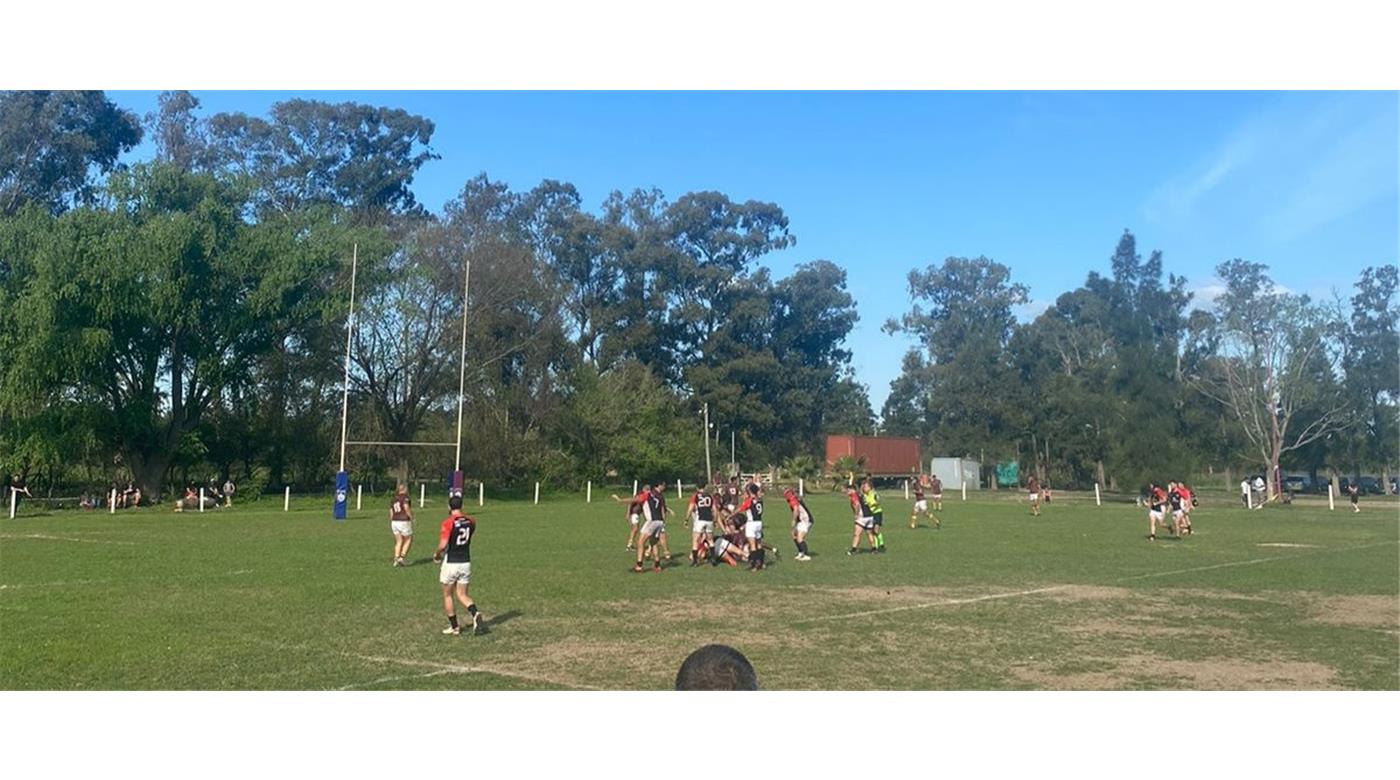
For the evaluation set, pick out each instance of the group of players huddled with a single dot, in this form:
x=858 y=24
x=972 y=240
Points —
x=726 y=525
x=1175 y=495
x=727 y=521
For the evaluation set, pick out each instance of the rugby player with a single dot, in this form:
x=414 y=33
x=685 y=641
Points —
x=1033 y=493
x=731 y=496
x=921 y=504
x=634 y=512
x=653 y=531
x=752 y=512
x=701 y=510
x=1180 y=498
x=1156 y=503
x=801 y=523
x=401 y=524
x=870 y=501
x=935 y=489
x=455 y=551
x=862 y=519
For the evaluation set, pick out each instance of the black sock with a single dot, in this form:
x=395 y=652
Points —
x=472 y=610
x=452 y=619
x=802 y=547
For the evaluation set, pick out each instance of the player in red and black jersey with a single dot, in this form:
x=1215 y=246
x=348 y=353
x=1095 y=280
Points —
x=752 y=512
x=634 y=512
x=801 y=522
x=701 y=511
x=1156 y=506
x=455 y=551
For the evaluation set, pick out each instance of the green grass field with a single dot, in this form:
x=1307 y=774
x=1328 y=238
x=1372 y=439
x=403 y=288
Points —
x=252 y=598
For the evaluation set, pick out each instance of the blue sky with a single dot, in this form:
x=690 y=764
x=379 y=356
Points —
x=883 y=182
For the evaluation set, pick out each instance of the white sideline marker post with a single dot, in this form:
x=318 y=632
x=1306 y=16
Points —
x=906 y=490
x=801 y=488
x=634 y=487
x=112 y=501
x=481 y=494
x=201 y=499
x=287 y=499
x=1097 y=501
x=359 y=494
x=1248 y=497
x=964 y=486
x=13 y=501
x=1331 y=505
x=422 y=494
x=589 y=500
x=679 y=497
x=537 y=492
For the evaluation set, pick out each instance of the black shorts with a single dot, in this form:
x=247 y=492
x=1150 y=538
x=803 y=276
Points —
x=877 y=519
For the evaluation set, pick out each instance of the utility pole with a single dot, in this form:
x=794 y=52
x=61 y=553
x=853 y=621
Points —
x=709 y=472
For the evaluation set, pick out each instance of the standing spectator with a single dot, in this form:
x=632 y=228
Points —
x=18 y=488
x=1354 y=491
x=229 y=488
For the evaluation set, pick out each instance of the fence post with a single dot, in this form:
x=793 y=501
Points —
x=112 y=501
x=13 y=502
x=1249 y=496
x=1097 y=501
x=964 y=487
x=1331 y=505
x=537 y=492
x=422 y=494
x=679 y=497
x=906 y=490
x=634 y=487
x=359 y=494
x=287 y=499
x=481 y=494
x=801 y=488
x=590 y=492
x=201 y=499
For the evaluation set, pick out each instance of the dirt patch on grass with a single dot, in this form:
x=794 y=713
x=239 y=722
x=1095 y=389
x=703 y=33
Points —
x=1363 y=611
x=1147 y=670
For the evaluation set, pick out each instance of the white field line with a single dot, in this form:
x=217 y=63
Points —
x=461 y=669
x=395 y=678
x=70 y=583
x=62 y=539
x=1035 y=591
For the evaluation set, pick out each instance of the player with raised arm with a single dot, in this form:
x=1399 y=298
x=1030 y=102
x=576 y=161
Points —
x=401 y=524
x=455 y=551
x=861 y=518
x=801 y=523
x=870 y=501
x=634 y=512
x=921 y=504
x=653 y=531
x=701 y=511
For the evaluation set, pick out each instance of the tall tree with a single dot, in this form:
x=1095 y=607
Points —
x=1276 y=357
x=54 y=145
x=960 y=391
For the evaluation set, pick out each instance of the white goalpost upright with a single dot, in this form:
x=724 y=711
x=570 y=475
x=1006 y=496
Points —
x=342 y=477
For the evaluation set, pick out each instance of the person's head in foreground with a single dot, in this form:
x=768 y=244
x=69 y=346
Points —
x=716 y=668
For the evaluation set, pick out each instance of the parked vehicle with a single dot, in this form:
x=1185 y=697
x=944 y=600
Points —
x=1297 y=483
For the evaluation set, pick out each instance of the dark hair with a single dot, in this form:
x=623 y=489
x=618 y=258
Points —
x=753 y=489
x=455 y=502
x=716 y=668
x=700 y=485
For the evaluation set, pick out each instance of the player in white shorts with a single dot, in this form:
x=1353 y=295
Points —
x=801 y=523
x=455 y=551
x=401 y=524
x=752 y=509
x=702 y=513
x=634 y=512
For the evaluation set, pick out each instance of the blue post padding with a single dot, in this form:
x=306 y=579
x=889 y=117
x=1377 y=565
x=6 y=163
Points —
x=342 y=494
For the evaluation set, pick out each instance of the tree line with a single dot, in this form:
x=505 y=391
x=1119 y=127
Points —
x=1120 y=381
x=184 y=317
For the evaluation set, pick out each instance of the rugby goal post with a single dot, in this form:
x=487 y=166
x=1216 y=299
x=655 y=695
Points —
x=342 y=477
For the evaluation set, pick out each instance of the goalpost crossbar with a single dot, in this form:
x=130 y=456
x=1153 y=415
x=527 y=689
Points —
x=403 y=443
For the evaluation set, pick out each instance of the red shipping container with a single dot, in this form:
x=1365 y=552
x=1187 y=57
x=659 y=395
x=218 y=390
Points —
x=885 y=456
